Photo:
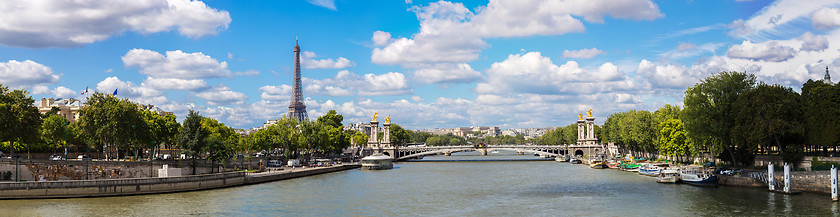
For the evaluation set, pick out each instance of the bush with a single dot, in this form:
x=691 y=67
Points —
x=820 y=165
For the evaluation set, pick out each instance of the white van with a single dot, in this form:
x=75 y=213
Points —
x=293 y=162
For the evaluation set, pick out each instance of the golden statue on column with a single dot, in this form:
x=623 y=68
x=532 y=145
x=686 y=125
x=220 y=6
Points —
x=375 y=115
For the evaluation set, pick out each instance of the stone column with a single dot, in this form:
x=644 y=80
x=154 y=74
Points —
x=386 y=135
x=581 y=133
x=373 y=141
x=590 y=128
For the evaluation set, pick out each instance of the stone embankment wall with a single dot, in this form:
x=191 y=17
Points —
x=810 y=181
x=741 y=181
x=118 y=187
x=137 y=186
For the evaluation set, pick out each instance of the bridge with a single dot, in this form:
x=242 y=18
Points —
x=404 y=153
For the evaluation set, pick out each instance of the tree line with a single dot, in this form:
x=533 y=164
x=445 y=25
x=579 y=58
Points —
x=732 y=117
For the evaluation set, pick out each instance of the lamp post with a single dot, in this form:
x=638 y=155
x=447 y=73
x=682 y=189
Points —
x=152 y=159
x=66 y=125
x=87 y=161
x=135 y=140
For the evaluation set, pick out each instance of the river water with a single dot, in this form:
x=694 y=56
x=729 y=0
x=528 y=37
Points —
x=522 y=188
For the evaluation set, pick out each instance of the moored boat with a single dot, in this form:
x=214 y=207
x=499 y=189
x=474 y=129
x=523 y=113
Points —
x=649 y=170
x=653 y=169
x=597 y=164
x=562 y=159
x=631 y=167
x=698 y=176
x=613 y=164
x=668 y=176
x=575 y=161
x=377 y=161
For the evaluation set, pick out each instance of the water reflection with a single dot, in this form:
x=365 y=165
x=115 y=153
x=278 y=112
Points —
x=533 y=188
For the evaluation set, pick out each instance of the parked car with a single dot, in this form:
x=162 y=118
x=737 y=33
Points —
x=166 y=157
x=83 y=157
x=57 y=157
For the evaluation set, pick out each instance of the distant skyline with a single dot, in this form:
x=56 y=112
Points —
x=428 y=64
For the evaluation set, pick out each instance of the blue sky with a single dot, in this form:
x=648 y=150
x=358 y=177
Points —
x=429 y=64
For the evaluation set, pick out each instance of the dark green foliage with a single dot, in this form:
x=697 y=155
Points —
x=770 y=116
x=708 y=114
x=192 y=137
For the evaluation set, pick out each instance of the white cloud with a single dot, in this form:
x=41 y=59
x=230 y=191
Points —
x=346 y=83
x=58 y=92
x=811 y=42
x=222 y=95
x=768 y=51
x=586 y=53
x=447 y=73
x=533 y=73
x=25 y=74
x=140 y=94
x=669 y=76
x=452 y=34
x=308 y=61
x=328 y=4
x=686 y=46
x=43 y=23
x=63 y=92
x=176 y=64
x=782 y=19
x=279 y=93
x=826 y=18
x=685 y=50
x=175 y=83
x=381 y=38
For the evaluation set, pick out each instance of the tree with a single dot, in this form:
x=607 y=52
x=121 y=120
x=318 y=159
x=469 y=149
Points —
x=113 y=123
x=191 y=138
x=821 y=113
x=769 y=116
x=332 y=119
x=398 y=135
x=19 y=119
x=672 y=139
x=708 y=115
x=418 y=137
x=221 y=140
x=54 y=131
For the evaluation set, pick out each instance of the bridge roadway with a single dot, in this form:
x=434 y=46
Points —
x=403 y=153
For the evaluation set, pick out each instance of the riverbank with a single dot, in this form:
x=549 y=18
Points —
x=141 y=186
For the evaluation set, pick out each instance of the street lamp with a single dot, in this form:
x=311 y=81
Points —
x=135 y=141
x=152 y=159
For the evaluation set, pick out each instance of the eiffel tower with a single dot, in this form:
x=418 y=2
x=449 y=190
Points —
x=297 y=110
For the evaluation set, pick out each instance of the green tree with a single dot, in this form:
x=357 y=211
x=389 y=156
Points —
x=672 y=139
x=192 y=137
x=332 y=119
x=821 y=113
x=19 y=120
x=54 y=132
x=113 y=123
x=708 y=115
x=769 y=115
x=221 y=140
x=399 y=136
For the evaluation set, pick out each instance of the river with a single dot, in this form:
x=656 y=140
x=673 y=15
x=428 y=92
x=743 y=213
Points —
x=522 y=188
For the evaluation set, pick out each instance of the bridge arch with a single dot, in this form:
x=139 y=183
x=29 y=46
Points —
x=464 y=149
x=578 y=152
